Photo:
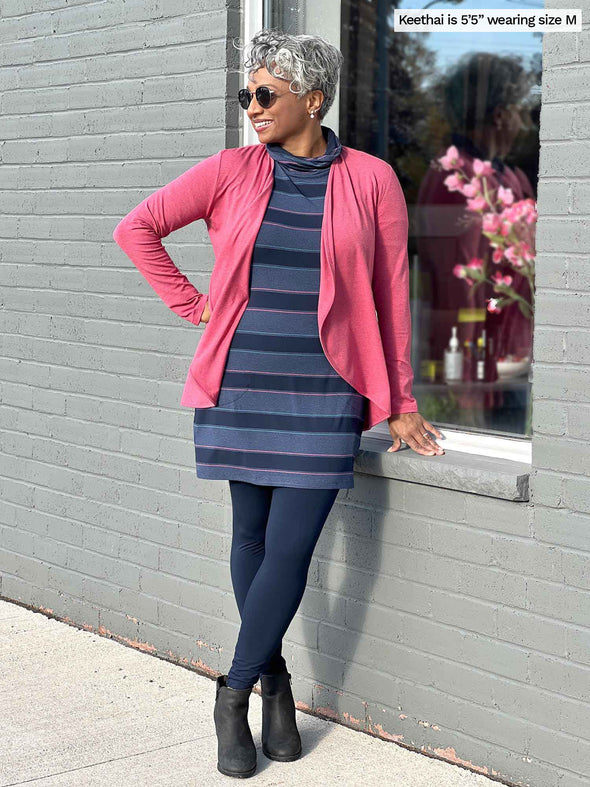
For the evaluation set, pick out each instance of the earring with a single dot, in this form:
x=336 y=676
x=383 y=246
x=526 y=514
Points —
x=311 y=114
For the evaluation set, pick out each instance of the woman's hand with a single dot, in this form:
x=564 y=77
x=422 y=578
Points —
x=206 y=313
x=412 y=428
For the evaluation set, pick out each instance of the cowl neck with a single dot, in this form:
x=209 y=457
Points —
x=290 y=161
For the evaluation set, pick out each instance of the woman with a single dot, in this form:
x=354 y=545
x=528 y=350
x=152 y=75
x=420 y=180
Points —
x=292 y=364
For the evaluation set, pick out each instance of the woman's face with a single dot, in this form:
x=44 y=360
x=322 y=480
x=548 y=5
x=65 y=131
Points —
x=512 y=122
x=289 y=115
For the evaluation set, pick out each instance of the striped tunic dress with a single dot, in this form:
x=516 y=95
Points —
x=284 y=416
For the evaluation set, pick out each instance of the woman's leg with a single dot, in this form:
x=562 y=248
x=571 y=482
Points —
x=250 y=509
x=295 y=521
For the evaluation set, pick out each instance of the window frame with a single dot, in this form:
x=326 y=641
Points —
x=488 y=445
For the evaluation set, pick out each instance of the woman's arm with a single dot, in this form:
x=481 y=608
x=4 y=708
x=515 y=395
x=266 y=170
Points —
x=391 y=290
x=185 y=199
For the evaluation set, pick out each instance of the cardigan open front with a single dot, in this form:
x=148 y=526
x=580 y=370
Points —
x=363 y=308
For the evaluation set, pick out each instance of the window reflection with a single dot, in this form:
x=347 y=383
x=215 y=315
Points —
x=285 y=15
x=408 y=97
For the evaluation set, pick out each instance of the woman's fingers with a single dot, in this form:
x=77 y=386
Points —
x=417 y=442
x=423 y=445
x=397 y=444
x=432 y=428
x=414 y=430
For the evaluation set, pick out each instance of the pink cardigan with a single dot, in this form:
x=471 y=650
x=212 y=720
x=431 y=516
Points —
x=363 y=309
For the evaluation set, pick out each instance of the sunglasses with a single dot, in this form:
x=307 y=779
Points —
x=264 y=95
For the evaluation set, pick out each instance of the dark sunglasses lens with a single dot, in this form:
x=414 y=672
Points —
x=263 y=97
x=244 y=98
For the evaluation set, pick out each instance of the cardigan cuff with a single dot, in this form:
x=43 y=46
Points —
x=405 y=407
x=200 y=308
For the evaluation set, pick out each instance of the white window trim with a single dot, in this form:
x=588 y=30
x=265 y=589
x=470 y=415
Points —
x=516 y=448
x=253 y=20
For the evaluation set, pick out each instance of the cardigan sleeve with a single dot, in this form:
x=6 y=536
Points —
x=185 y=199
x=391 y=290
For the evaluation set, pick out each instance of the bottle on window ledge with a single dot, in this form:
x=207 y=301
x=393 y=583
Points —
x=487 y=369
x=480 y=355
x=453 y=359
x=490 y=363
x=469 y=361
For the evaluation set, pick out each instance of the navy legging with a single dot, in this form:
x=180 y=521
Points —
x=275 y=530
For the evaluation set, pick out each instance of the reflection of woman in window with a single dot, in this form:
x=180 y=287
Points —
x=483 y=98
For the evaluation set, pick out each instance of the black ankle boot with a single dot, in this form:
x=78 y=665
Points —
x=236 y=751
x=280 y=736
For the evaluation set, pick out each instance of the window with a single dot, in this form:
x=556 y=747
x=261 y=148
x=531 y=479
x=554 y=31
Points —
x=287 y=16
x=408 y=97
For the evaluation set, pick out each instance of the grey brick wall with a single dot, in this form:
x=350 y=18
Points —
x=454 y=623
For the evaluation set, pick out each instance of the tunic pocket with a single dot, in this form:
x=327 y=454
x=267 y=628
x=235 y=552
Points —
x=230 y=395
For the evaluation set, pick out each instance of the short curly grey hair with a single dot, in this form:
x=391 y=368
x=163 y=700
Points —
x=480 y=81
x=311 y=62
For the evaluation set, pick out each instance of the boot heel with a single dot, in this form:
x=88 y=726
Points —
x=236 y=751
x=280 y=736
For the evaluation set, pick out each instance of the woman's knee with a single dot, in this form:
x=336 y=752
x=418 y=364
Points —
x=291 y=552
x=248 y=531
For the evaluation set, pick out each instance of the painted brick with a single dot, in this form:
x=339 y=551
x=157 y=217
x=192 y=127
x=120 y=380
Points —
x=531 y=631
x=457 y=621
x=549 y=418
x=578 y=274
x=576 y=494
x=557 y=121
x=574 y=566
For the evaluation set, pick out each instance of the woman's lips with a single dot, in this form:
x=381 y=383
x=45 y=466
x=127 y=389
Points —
x=262 y=128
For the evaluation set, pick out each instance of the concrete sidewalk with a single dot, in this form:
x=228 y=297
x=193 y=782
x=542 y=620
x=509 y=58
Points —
x=79 y=709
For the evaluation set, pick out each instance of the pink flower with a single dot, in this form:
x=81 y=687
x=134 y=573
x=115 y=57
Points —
x=505 y=196
x=506 y=227
x=502 y=281
x=512 y=213
x=472 y=188
x=460 y=271
x=479 y=203
x=451 y=159
x=513 y=257
x=503 y=222
x=482 y=167
x=453 y=183
x=490 y=223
